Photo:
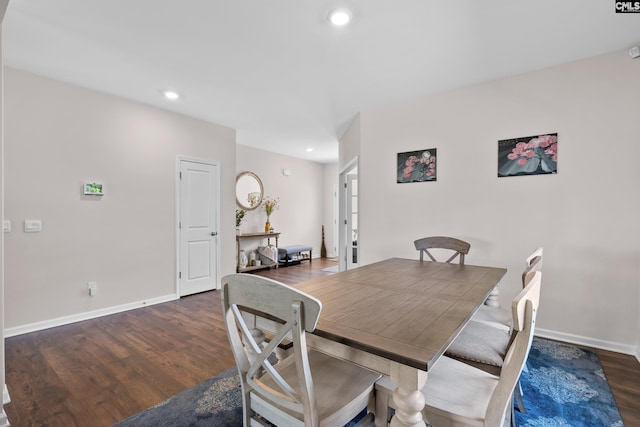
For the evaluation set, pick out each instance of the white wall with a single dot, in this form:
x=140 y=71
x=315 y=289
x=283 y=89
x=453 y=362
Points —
x=301 y=195
x=349 y=147
x=5 y=396
x=56 y=137
x=585 y=217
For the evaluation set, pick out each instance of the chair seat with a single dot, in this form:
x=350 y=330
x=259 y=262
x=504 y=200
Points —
x=467 y=400
x=481 y=346
x=494 y=316
x=337 y=385
x=455 y=393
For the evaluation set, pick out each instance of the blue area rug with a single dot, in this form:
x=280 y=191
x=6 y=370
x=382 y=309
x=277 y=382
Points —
x=564 y=386
x=214 y=402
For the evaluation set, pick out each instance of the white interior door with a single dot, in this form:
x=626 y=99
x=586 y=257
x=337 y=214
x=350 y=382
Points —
x=198 y=227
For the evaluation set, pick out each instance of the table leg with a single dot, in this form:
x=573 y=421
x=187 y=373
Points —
x=493 y=298
x=408 y=396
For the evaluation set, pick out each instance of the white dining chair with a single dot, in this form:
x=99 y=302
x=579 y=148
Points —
x=459 y=247
x=484 y=344
x=306 y=388
x=457 y=394
x=498 y=317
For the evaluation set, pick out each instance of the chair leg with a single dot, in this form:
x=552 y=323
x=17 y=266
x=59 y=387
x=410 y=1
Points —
x=518 y=392
x=513 y=417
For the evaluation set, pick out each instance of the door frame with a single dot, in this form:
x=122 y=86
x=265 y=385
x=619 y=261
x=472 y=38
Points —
x=215 y=163
x=342 y=236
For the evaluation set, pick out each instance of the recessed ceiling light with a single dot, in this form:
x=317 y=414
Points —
x=171 y=95
x=308 y=149
x=340 y=17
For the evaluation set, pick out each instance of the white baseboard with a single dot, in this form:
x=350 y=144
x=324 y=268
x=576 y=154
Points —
x=38 y=326
x=590 y=342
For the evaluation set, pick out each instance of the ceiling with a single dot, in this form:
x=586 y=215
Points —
x=278 y=73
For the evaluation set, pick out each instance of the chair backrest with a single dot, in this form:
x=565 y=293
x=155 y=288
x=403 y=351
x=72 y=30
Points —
x=524 y=308
x=298 y=313
x=530 y=292
x=460 y=247
x=534 y=264
x=536 y=256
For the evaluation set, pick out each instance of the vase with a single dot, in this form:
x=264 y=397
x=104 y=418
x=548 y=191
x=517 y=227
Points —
x=267 y=226
x=243 y=259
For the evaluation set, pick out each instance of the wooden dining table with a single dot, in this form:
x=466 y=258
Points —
x=397 y=317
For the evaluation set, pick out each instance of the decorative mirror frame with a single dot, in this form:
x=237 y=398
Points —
x=258 y=197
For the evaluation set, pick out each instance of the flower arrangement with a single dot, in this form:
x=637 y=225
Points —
x=270 y=204
x=240 y=213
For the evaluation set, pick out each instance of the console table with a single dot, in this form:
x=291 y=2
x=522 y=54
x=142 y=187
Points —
x=244 y=236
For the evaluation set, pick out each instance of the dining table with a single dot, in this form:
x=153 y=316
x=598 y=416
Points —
x=397 y=317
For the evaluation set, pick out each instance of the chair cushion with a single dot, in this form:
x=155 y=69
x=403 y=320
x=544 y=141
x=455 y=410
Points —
x=293 y=249
x=482 y=345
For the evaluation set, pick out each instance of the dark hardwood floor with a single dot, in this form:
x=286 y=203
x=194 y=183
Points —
x=98 y=372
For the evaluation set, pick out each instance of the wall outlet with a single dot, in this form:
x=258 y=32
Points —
x=93 y=288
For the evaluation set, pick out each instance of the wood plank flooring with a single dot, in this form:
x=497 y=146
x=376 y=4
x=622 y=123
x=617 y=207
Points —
x=98 y=372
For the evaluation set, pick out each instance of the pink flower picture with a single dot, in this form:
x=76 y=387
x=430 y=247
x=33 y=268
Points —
x=417 y=166
x=529 y=155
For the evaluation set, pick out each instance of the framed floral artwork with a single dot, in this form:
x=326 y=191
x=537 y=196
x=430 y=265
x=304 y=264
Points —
x=417 y=166
x=529 y=155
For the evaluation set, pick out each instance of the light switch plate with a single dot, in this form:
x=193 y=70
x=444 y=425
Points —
x=32 y=225
x=6 y=225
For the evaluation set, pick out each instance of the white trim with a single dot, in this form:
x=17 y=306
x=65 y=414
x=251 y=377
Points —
x=218 y=166
x=5 y=396
x=38 y=326
x=336 y=214
x=589 y=342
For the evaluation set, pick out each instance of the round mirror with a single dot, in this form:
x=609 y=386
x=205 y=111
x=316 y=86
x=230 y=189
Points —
x=249 y=190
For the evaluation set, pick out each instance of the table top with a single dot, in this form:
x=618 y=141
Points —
x=258 y=234
x=407 y=311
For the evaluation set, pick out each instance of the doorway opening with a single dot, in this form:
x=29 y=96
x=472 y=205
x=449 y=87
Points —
x=349 y=246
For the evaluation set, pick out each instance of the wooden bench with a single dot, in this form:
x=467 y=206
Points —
x=288 y=255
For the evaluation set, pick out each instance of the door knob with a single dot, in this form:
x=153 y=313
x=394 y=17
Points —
x=214 y=233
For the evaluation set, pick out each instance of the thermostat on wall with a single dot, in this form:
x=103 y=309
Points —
x=93 y=188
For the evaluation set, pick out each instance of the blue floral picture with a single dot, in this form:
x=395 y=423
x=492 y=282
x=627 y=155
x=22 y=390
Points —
x=417 y=166
x=529 y=155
